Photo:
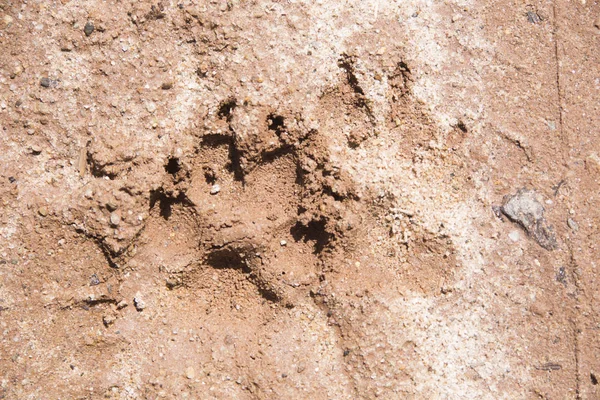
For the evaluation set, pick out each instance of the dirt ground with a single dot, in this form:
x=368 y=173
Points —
x=299 y=199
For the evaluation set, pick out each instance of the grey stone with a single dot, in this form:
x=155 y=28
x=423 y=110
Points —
x=48 y=83
x=524 y=209
x=533 y=17
x=94 y=280
x=88 y=29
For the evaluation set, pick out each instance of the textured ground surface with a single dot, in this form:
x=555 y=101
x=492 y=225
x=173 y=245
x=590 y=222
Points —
x=299 y=199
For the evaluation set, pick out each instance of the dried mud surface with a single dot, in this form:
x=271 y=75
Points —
x=297 y=199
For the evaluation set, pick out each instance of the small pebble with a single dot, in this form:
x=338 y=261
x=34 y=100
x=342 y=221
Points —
x=283 y=243
x=6 y=21
x=88 y=29
x=48 y=83
x=17 y=70
x=43 y=211
x=215 y=189
x=597 y=23
x=172 y=283
x=115 y=219
x=533 y=17
x=514 y=236
x=151 y=107
x=139 y=303
x=66 y=45
x=122 y=304
x=167 y=85
x=35 y=149
x=572 y=224
x=108 y=320
x=94 y=280
x=190 y=373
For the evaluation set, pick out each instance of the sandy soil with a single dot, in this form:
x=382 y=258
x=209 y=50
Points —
x=299 y=199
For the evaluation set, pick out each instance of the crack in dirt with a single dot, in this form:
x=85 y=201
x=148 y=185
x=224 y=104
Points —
x=565 y=156
x=576 y=324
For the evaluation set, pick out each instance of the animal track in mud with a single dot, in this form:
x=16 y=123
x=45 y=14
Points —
x=352 y=106
x=279 y=206
x=278 y=225
x=351 y=103
x=166 y=202
x=276 y=185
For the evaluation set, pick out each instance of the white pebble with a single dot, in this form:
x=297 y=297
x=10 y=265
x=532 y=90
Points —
x=215 y=189
x=139 y=303
x=514 y=236
x=151 y=107
x=115 y=219
x=190 y=373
